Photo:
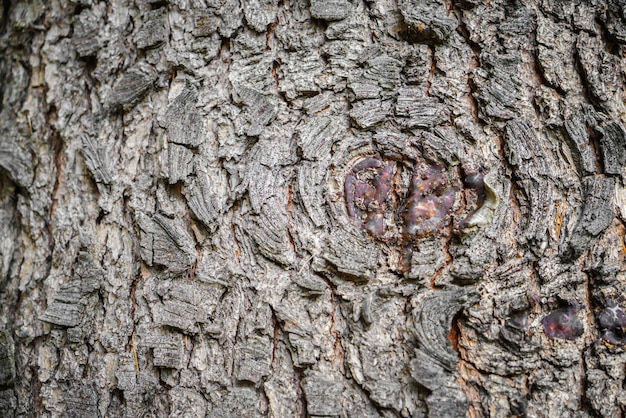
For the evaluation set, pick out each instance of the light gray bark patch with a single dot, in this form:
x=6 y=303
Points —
x=268 y=181
x=498 y=84
x=67 y=308
x=302 y=349
x=281 y=388
x=185 y=305
x=367 y=113
x=317 y=136
x=605 y=258
x=330 y=10
x=526 y=154
x=15 y=158
x=97 y=160
x=417 y=66
x=259 y=110
x=380 y=76
x=448 y=402
x=298 y=76
x=81 y=401
x=8 y=401
x=7 y=359
x=166 y=242
x=417 y=111
x=351 y=253
x=556 y=59
x=182 y=121
x=427 y=21
x=87 y=38
x=260 y=13
x=271 y=237
x=538 y=201
x=435 y=361
x=471 y=260
x=363 y=89
x=24 y=15
x=187 y=402
x=126 y=372
x=132 y=87
x=179 y=163
x=465 y=270
x=600 y=69
x=605 y=393
x=253 y=358
x=579 y=142
x=251 y=67
x=597 y=214
x=9 y=228
x=428 y=257
x=153 y=29
x=207 y=195
x=377 y=356
x=303 y=342
x=441 y=144
x=393 y=144
x=340 y=60
x=205 y=23
x=167 y=350
x=296 y=33
x=389 y=17
x=524 y=149
x=311 y=284
x=231 y=16
x=615 y=21
x=311 y=191
x=238 y=402
x=432 y=322
x=323 y=394
x=613 y=147
x=139 y=387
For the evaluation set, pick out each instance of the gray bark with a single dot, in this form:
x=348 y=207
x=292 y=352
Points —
x=351 y=208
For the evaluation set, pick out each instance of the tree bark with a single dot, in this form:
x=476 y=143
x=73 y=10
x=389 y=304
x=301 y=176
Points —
x=350 y=208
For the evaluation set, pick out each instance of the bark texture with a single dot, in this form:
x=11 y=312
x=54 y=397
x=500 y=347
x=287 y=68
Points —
x=350 y=208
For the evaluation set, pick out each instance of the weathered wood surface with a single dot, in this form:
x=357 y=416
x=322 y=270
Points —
x=352 y=208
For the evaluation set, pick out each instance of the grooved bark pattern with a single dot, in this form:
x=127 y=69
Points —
x=350 y=208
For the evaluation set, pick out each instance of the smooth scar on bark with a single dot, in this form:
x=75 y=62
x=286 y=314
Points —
x=368 y=192
x=430 y=200
x=563 y=323
x=369 y=188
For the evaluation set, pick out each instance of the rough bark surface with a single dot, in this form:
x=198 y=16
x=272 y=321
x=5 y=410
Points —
x=351 y=208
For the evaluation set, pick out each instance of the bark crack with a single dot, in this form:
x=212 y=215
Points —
x=474 y=62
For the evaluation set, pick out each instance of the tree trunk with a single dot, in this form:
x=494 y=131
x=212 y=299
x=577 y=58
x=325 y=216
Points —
x=351 y=208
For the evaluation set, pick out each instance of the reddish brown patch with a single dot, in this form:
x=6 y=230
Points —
x=563 y=323
x=369 y=197
x=431 y=199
